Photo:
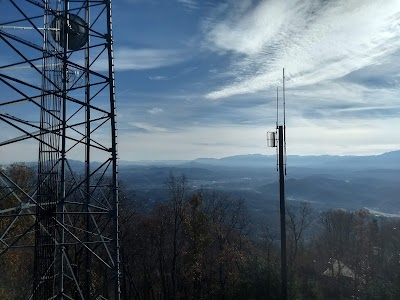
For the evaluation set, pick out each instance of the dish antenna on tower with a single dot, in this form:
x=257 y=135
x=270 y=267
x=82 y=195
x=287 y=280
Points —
x=74 y=26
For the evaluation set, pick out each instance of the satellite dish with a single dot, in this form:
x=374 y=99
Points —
x=77 y=31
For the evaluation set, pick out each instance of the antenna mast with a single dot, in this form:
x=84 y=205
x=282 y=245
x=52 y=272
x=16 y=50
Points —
x=281 y=157
x=284 y=116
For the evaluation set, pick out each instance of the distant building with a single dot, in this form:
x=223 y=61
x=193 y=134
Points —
x=339 y=268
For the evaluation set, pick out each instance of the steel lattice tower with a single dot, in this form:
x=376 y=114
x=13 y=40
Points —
x=57 y=105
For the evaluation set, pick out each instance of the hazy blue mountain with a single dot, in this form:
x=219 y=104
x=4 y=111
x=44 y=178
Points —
x=349 y=182
x=250 y=160
x=385 y=160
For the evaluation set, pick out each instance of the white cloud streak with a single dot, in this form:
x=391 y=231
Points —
x=148 y=128
x=158 y=77
x=155 y=110
x=192 y=4
x=315 y=40
x=127 y=59
x=142 y=59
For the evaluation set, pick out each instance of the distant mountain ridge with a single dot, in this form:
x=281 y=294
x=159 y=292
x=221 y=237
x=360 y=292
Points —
x=388 y=160
x=385 y=160
x=326 y=181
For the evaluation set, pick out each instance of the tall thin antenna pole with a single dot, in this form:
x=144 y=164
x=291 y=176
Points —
x=277 y=107
x=284 y=100
x=284 y=117
x=277 y=122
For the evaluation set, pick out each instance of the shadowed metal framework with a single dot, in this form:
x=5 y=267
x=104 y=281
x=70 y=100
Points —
x=57 y=106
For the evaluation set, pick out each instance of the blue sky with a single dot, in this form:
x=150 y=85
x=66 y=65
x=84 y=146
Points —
x=197 y=78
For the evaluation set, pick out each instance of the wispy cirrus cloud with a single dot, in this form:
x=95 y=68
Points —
x=192 y=4
x=155 y=110
x=147 y=127
x=127 y=59
x=158 y=77
x=315 y=40
x=341 y=62
x=142 y=59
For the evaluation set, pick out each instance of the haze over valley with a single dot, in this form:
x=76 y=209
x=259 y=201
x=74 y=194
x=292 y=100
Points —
x=341 y=182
